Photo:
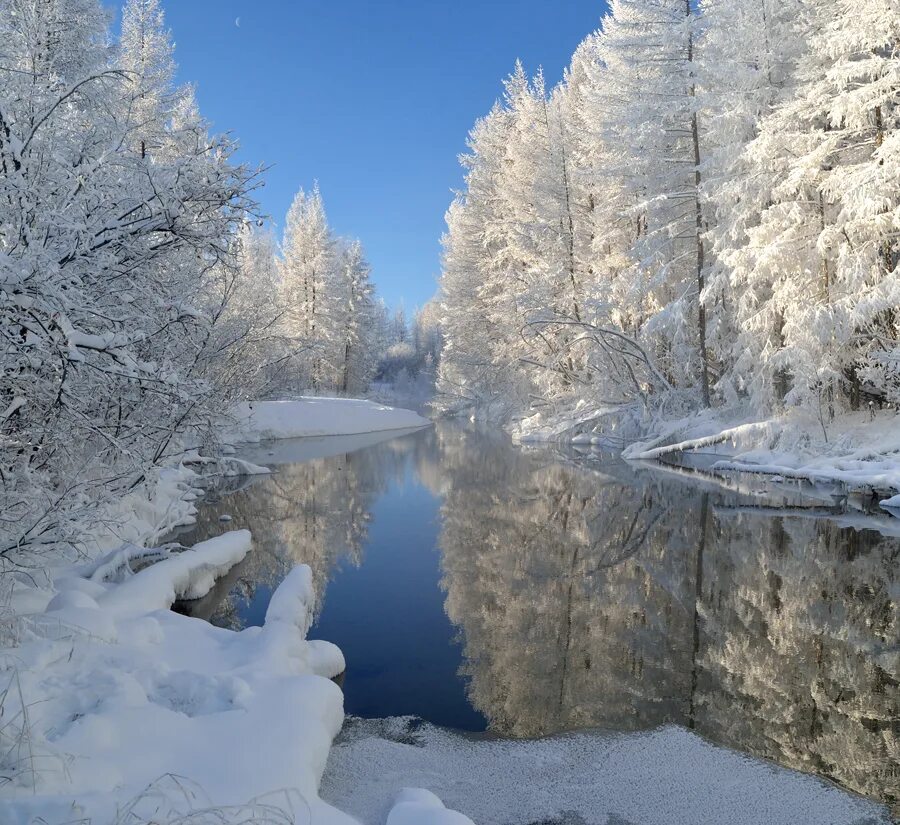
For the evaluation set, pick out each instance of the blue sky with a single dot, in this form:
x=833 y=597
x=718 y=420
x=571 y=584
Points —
x=372 y=99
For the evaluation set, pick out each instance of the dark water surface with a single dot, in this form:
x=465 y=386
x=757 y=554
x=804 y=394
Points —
x=481 y=585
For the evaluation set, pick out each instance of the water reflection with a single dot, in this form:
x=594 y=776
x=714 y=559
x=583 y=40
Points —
x=315 y=509
x=589 y=594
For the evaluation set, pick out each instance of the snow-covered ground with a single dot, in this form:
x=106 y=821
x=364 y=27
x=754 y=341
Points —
x=110 y=698
x=665 y=777
x=313 y=416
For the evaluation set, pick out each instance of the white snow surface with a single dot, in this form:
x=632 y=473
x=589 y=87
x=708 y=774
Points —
x=665 y=777
x=892 y=503
x=416 y=806
x=313 y=416
x=857 y=450
x=188 y=575
x=113 y=694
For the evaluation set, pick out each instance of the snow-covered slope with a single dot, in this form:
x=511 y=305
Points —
x=311 y=416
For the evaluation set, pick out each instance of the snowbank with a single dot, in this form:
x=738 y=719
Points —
x=310 y=448
x=857 y=451
x=666 y=777
x=187 y=575
x=119 y=701
x=301 y=417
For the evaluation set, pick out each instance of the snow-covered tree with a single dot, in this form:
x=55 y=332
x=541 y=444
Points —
x=248 y=352
x=816 y=284
x=480 y=284
x=747 y=57
x=647 y=113
x=510 y=263
x=308 y=266
x=358 y=321
x=107 y=265
x=147 y=58
x=327 y=307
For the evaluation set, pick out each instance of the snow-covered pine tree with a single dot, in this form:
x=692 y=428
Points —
x=358 y=321
x=860 y=44
x=307 y=269
x=480 y=284
x=608 y=221
x=539 y=194
x=747 y=55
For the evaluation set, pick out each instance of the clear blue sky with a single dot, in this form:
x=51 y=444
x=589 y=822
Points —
x=372 y=98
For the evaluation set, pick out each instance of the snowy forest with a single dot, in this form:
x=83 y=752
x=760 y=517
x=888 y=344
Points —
x=141 y=291
x=602 y=528
x=703 y=213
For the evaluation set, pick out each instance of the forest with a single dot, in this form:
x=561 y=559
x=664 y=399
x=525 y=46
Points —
x=141 y=290
x=703 y=213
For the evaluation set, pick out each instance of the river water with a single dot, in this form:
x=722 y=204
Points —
x=480 y=585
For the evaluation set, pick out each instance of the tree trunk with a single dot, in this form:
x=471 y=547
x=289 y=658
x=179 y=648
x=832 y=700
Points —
x=345 y=381
x=701 y=252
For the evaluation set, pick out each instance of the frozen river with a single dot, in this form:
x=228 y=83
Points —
x=483 y=586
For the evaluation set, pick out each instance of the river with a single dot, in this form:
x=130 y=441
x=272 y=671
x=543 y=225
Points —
x=484 y=586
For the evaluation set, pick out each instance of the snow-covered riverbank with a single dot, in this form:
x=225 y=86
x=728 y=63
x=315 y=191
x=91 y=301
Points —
x=117 y=710
x=669 y=776
x=313 y=416
x=115 y=703
x=858 y=452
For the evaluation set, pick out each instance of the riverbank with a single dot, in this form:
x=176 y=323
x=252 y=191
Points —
x=119 y=692
x=668 y=776
x=309 y=416
x=118 y=710
x=853 y=454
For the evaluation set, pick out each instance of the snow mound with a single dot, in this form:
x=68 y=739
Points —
x=666 y=777
x=892 y=503
x=416 y=806
x=123 y=705
x=301 y=417
x=187 y=575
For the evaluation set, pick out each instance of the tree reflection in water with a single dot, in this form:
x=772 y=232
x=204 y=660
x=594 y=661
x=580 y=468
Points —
x=591 y=594
x=617 y=599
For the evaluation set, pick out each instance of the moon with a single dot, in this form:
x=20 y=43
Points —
x=237 y=22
